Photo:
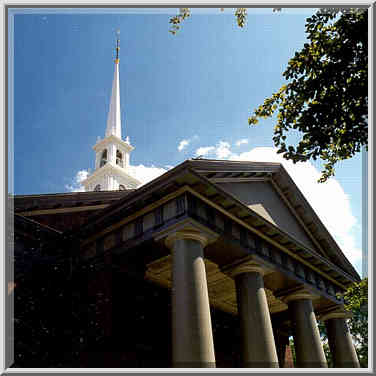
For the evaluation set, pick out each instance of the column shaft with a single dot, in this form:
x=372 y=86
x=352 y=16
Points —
x=257 y=333
x=307 y=342
x=340 y=343
x=191 y=322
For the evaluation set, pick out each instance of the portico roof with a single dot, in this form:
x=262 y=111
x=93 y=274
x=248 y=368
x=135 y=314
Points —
x=203 y=177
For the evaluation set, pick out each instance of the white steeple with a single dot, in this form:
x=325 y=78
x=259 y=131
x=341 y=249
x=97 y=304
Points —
x=112 y=153
x=114 y=116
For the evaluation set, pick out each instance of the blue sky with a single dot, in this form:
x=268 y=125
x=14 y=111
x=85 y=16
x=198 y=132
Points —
x=194 y=90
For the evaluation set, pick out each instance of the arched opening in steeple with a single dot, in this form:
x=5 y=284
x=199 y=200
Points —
x=103 y=158
x=119 y=158
x=97 y=188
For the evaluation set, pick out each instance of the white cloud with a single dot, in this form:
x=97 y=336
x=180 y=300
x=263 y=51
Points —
x=81 y=176
x=205 y=150
x=145 y=174
x=183 y=144
x=243 y=141
x=223 y=150
x=76 y=183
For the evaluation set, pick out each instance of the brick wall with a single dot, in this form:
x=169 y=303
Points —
x=289 y=361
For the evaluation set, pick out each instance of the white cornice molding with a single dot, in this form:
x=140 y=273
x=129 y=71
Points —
x=101 y=144
x=107 y=169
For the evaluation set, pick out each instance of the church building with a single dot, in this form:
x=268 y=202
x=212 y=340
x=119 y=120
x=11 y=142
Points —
x=213 y=264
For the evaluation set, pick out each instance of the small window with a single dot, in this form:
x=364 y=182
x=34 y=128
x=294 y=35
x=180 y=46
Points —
x=121 y=187
x=97 y=188
x=119 y=158
x=103 y=158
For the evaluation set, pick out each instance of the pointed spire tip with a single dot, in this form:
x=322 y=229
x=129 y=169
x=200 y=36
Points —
x=117 y=46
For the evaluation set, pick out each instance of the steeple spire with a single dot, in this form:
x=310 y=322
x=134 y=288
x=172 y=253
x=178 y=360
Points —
x=112 y=154
x=114 y=117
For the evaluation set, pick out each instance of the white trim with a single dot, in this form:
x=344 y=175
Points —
x=101 y=144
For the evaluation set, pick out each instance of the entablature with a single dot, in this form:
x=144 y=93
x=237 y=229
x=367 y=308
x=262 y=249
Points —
x=236 y=241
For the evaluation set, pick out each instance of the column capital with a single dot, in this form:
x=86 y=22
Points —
x=187 y=234
x=336 y=313
x=187 y=229
x=249 y=266
x=298 y=294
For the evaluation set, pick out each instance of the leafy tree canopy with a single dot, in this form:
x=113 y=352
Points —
x=356 y=301
x=326 y=96
x=240 y=14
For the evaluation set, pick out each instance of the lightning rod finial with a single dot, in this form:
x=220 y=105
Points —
x=117 y=46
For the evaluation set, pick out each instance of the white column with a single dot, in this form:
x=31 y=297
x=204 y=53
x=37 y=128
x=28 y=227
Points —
x=308 y=347
x=339 y=338
x=259 y=350
x=126 y=160
x=192 y=342
x=97 y=159
x=112 y=157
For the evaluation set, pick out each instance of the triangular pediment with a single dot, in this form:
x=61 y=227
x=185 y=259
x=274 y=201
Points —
x=261 y=197
x=268 y=190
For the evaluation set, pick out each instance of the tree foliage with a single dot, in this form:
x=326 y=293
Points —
x=240 y=14
x=177 y=20
x=356 y=301
x=326 y=98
